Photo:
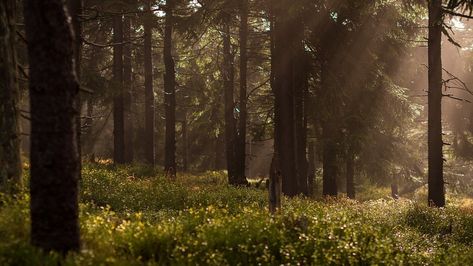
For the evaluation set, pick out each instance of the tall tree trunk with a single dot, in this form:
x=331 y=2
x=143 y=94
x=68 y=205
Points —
x=311 y=168
x=241 y=142
x=219 y=163
x=230 y=123
x=329 y=132
x=149 y=142
x=285 y=51
x=118 y=98
x=54 y=155
x=169 y=93
x=350 y=172
x=128 y=89
x=75 y=10
x=436 y=194
x=330 y=168
x=301 y=87
x=10 y=156
x=185 y=161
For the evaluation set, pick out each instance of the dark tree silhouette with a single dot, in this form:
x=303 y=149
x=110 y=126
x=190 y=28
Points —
x=229 y=103
x=149 y=143
x=436 y=194
x=10 y=159
x=54 y=156
x=127 y=85
x=241 y=141
x=118 y=95
x=169 y=92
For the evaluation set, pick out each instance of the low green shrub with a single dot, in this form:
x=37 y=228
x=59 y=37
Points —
x=129 y=219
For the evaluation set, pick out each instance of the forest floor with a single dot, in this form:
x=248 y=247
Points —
x=134 y=216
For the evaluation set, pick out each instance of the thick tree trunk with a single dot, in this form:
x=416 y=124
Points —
x=436 y=194
x=128 y=90
x=10 y=158
x=149 y=141
x=241 y=142
x=54 y=153
x=170 y=94
x=230 y=122
x=118 y=98
x=350 y=172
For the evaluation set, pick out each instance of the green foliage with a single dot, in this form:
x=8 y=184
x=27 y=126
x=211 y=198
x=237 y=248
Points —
x=128 y=218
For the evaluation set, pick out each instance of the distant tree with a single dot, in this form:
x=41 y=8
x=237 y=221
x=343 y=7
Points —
x=169 y=91
x=242 y=108
x=54 y=154
x=10 y=158
x=127 y=88
x=288 y=90
x=228 y=74
x=149 y=143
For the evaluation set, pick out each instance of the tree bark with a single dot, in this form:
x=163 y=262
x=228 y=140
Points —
x=330 y=168
x=311 y=169
x=128 y=90
x=149 y=143
x=241 y=142
x=75 y=10
x=54 y=154
x=169 y=93
x=10 y=153
x=118 y=98
x=301 y=87
x=230 y=122
x=436 y=194
x=287 y=40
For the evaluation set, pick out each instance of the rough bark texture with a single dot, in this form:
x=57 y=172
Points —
x=10 y=159
x=54 y=154
x=149 y=143
x=118 y=98
x=169 y=94
x=230 y=122
x=436 y=194
x=128 y=90
x=241 y=142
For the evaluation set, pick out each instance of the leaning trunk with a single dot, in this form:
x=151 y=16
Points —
x=436 y=194
x=54 y=154
x=170 y=94
x=10 y=159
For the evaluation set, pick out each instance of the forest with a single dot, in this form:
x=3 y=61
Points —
x=236 y=132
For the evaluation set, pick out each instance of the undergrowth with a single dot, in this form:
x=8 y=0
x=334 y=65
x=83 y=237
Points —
x=134 y=216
